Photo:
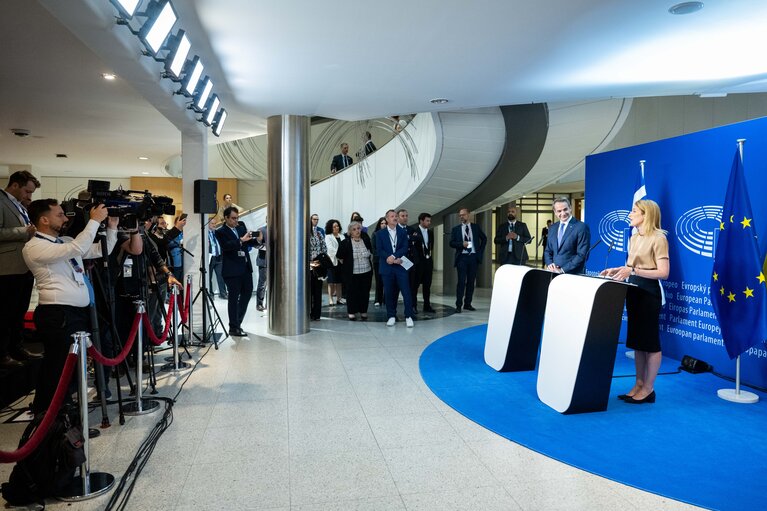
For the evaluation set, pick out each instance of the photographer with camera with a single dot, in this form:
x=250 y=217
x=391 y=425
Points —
x=64 y=291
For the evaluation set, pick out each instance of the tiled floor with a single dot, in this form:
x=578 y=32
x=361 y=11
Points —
x=338 y=419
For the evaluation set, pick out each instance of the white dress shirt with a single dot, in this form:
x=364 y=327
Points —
x=56 y=278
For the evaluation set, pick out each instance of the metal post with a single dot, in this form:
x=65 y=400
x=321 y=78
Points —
x=190 y=317
x=141 y=406
x=88 y=484
x=176 y=362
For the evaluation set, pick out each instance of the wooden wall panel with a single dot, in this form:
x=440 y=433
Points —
x=171 y=186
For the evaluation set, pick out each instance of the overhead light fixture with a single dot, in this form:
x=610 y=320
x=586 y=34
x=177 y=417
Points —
x=127 y=8
x=174 y=64
x=685 y=8
x=438 y=101
x=155 y=31
x=108 y=76
x=218 y=122
x=143 y=157
x=712 y=95
x=202 y=99
x=145 y=173
x=211 y=110
x=192 y=80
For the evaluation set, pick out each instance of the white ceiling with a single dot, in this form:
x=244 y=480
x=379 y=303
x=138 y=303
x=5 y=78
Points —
x=347 y=59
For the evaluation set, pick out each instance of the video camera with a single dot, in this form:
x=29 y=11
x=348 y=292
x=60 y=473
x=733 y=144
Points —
x=130 y=206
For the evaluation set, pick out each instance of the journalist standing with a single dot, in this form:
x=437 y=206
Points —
x=15 y=230
x=355 y=252
x=647 y=265
x=64 y=296
x=567 y=247
x=236 y=241
x=469 y=243
x=512 y=237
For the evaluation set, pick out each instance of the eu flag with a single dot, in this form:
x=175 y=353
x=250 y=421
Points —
x=738 y=291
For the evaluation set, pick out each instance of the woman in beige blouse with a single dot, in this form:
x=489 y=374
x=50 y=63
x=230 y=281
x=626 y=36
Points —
x=647 y=264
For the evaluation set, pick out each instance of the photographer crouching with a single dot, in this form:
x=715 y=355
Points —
x=64 y=296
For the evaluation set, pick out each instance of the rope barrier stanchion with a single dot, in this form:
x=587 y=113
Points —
x=189 y=309
x=174 y=314
x=88 y=484
x=140 y=406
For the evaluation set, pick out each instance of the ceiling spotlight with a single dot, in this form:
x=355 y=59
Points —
x=143 y=157
x=127 y=8
x=685 y=8
x=192 y=78
x=211 y=109
x=157 y=28
x=108 y=76
x=174 y=64
x=218 y=122
x=145 y=173
x=202 y=99
x=438 y=101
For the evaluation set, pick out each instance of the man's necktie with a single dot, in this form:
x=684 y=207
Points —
x=561 y=234
x=466 y=237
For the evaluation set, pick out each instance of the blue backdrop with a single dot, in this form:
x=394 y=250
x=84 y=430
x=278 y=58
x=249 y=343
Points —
x=687 y=176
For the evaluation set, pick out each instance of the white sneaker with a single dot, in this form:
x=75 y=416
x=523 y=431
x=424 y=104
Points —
x=409 y=322
x=392 y=321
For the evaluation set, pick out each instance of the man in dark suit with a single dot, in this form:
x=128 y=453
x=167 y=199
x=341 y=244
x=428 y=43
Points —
x=567 y=246
x=391 y=245
x=341 y=161
x=260 y=241
x=235 y=241
x=511 y=238
x=422 y=242
x=370 y=147
x=16 y=280
x=469 y=243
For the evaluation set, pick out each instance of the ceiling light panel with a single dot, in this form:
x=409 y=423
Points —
x=156 y=30
x=175 y=65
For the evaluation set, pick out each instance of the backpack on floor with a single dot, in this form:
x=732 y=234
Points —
x=48 y=470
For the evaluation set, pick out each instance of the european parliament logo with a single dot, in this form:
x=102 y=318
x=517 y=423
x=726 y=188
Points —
x=613 y=228
x=696 y=227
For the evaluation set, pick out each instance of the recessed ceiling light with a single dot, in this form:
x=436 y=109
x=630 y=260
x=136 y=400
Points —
x=143 y=157
x=108 y=76
x=685 y=8
x=438 y=101
x=61 y=155
x=145 y=173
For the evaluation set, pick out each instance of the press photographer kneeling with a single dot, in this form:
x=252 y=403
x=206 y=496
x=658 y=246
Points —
x=64 y=295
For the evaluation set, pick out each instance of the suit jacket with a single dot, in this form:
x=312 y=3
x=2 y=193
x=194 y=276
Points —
x=519 y=247
x=13 y=237
x=384 y=250
x=456 y=241
x=338 y=162
x=572 y=254
x=346 y=252
x=369 y=147
x=234 y=265
x=417 y=245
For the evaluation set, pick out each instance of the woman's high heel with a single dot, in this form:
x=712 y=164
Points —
x=650 y=398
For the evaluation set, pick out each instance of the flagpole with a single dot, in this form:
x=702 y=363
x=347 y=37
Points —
x=736 y=395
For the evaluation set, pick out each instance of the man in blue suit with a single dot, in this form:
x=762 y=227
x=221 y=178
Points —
x=469 y=243
x=235 y=241
x=392 y=244
x=567 y=246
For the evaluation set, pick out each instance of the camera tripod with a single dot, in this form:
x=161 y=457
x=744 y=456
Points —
x=208 y=307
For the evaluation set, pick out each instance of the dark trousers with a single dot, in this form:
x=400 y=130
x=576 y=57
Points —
x=395 y=282
x=15 y=292
x=55 y=326
x=358 y=292
x=379 y=286
x=467 y=275
x=240 y=290
x=315 y=308
x=261 y=289
x=214 y=268
x=421 y=276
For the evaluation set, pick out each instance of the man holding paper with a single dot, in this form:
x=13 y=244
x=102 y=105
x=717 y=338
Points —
x=392 y=246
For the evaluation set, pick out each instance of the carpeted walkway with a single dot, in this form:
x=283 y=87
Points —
x=690 y=445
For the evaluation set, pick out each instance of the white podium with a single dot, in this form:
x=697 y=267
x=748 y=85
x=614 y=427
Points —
x=580 y=337
x=516 y=317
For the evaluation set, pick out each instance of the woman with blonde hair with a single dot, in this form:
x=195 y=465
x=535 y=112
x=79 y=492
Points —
x=647 y=265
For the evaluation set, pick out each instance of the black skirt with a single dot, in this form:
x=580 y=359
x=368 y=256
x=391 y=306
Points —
x=643 y=304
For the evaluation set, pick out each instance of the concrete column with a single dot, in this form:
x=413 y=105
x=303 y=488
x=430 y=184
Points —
x=288 y=220
x=449 y=276
x=194 y=158
x=485 y=271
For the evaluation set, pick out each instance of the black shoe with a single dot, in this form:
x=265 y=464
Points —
x=261 y=308
x=623 y=397
x=428 y=309
x=458 y=309
x=236 y=332
x=650 y=398
x=25 y=354
x=224 y=297
x=469 y=308
x=7 y=361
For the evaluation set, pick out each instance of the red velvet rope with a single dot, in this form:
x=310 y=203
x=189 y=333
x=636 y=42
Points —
x=148 y=325
x=184 y=305
x=50 y=414
x=101 y=359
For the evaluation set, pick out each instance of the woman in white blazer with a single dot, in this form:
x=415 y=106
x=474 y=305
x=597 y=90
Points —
x=335 y=276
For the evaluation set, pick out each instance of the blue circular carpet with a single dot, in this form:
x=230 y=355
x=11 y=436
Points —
x=689 y=446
